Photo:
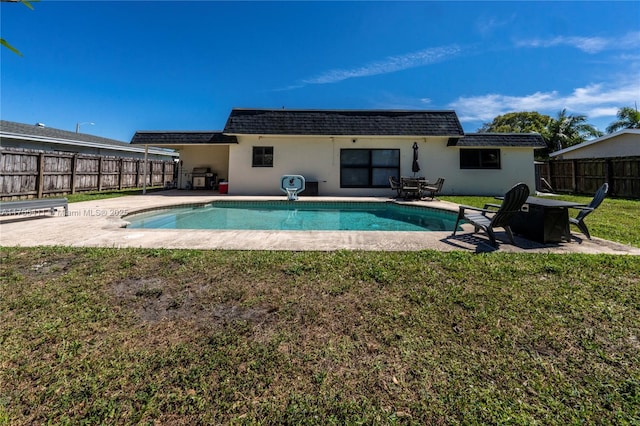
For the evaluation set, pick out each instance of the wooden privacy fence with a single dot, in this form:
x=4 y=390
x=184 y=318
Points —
x=31 y=174
x=585 y=176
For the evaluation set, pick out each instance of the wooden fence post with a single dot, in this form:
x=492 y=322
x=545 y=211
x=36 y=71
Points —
x=608 y=176
x=137 y=173
x=574 y=180
x=74 y=169
x=121 y=174
x=40 y=181
x=100 y=173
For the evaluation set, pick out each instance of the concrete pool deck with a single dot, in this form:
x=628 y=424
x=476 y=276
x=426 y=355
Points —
x=99 y=224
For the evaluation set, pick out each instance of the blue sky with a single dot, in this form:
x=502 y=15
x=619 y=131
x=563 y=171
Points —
x=165 y=65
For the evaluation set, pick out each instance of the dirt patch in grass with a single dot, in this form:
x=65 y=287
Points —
x=155 y=299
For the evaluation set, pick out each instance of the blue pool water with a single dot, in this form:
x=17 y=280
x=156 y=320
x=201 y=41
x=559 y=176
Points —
x=297 y=215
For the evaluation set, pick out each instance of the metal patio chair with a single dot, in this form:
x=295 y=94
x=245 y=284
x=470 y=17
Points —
x=395 y=185
x=433 y=189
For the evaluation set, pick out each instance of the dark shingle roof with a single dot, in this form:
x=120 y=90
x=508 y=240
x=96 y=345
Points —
x=501 y=140
x=181 y=138
x=343 y=122
x=50 y=132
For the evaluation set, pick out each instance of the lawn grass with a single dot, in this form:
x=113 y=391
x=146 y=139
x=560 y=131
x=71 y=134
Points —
x=137 y=336
x=615 y=220
x=101 y=195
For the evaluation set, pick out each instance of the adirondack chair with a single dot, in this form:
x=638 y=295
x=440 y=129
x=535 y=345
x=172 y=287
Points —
x=495 y=216
x=586 y=210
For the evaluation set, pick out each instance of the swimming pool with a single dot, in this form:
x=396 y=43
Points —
x=296 y=216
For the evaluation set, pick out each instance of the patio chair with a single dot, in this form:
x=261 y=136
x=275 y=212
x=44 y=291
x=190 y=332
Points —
x=487 y=219
x=410 y=188
x=395 y=184
x=585 y=210
x=435 y=188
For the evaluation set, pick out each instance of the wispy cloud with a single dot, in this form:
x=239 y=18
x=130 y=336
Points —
x=387 y=65
x=486 y=26
x=594 y=101
x=587 y=44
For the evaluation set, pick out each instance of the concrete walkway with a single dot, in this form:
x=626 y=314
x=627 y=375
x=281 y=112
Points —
x=99 y=224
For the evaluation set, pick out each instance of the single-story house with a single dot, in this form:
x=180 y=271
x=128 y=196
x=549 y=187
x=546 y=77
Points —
x=625 y=143
x=350 y=152
x=42 y=138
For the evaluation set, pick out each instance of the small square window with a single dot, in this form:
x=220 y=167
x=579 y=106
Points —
x=262 y=156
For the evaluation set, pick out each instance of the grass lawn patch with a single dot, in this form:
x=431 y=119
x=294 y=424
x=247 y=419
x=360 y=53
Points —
x=101 y=195
x=94 y=336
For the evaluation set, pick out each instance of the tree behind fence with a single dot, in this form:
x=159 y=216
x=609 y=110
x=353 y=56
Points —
x=34 y=174
x=585 y=176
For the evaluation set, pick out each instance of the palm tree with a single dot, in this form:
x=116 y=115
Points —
x=4 y=42
x=628 y=118
x=568 y=130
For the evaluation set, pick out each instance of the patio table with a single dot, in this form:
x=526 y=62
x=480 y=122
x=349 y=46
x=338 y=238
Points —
x=412 y=186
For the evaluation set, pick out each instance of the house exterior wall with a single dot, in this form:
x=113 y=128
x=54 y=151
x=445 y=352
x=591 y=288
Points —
x=516 y=165
x=216 y=157
x=318 y=159
x=623 y=145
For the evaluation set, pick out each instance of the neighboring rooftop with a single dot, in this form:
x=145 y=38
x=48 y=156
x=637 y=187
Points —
x=635 y=133
x=343 y=122
x=158 y=138
x=500 y=140
x=41 y=131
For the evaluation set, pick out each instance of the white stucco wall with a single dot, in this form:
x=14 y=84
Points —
x=517 y=165
x=318 y=159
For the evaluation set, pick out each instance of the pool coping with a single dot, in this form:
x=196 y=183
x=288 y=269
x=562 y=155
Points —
x=99 y=223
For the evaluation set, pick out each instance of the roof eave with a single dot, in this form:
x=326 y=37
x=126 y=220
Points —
x=345 y=135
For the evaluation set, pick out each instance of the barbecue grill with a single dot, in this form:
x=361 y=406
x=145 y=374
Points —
x=202 y=178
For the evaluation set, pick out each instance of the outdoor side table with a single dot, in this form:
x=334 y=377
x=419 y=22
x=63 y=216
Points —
x=544 y=220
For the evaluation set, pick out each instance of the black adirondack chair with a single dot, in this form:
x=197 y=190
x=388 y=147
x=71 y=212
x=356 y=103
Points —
x=586 y=210
x=495 y=216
